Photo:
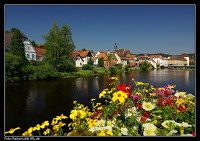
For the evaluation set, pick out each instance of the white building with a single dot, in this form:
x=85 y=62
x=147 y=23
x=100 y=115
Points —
x=30 y=53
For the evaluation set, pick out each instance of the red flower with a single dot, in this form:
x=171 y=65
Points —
x=126 y=89
x=167 y=93
x=193 y=133
x=121 y=87
x=182 y=108
x=143 y=118
x=146 y=114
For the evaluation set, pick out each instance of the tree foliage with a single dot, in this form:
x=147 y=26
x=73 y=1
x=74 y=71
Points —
x=101 y=62
x=14 y=68
x=16 y=45
x=145 y=65
x=59 y=45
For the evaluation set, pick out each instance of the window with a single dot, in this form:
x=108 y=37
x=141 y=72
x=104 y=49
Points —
x=28 y=55
x=33 y=56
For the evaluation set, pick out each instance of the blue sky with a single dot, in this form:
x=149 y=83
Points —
x=138 y=28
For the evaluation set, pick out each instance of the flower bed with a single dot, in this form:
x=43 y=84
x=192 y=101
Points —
x=141 y=110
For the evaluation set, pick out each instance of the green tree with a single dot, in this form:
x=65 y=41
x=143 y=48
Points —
x=33 y=43
x=83 y=49
x=145 y=65
x=14 y=68
x=16 y=45
x=59 y=45
x=101 y=62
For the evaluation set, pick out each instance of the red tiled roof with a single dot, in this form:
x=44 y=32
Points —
x=39 y=51
x=155 y=56
x=132 y=64
x=130 y=57
x=102 y=55
x=82 y=53
x=184 y=55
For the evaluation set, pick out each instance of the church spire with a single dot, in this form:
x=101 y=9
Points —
x=115 y=46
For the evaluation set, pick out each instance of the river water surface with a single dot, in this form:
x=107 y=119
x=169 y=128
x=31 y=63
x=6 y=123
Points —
x=29 y=103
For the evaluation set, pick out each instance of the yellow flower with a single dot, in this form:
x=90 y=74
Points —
x=77 y=113
x=60 y=124
x=56 y=127
x=74 y=102
x=102 y=94
x=45 y=123
x=105 y=132
x=61 y=117
x=54 y=121
x=11 y=131
x=191 y=102
x=30 y=130
x=153 y=94
x=139 y=83
x=27 y=133
x=148 y=106
x=120 y=96
x=37 y=127
x=93 y=99
x=114 y=78
x=91 y=122
x=137 y=93
x=180 y=101
x=132 y=79
x=46 y=132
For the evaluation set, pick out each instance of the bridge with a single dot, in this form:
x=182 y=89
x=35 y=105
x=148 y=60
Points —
x=185 y=66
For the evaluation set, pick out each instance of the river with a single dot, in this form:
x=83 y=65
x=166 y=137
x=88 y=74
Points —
x=28 y=103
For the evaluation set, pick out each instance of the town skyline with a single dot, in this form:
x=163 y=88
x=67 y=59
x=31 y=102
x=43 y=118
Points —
x=141 y=29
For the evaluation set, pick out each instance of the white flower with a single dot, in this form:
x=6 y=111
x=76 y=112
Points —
x=149 y=129
x=168 y=123
x=172 y=132
x=186 y=135
x=148 y=106
x=124 y=131
x=94 y=128
x=130 y=112
x=190 y=96
x=109 y=128
x=100 y=122
x=177 y=94
x=183 y=124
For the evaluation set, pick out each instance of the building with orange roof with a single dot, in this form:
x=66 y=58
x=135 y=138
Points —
x=39 y=53
x=84 y=55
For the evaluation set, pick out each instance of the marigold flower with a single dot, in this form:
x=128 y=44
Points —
x=120 y=96
x=77 y=114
